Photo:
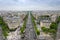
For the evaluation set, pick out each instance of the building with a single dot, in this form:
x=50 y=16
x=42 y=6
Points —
x=53 y=17
x=44 y=36
x=45 y=23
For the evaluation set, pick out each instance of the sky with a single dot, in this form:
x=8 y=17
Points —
x=29 y=4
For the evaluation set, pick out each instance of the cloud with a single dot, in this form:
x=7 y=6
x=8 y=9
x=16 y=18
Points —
x=30 y=4
x=55 y=3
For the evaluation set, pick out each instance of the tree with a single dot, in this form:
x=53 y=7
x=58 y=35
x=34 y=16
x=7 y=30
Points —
x=44 y=29
x=52 y=31
x=53 y=26
x=58 y=19
x=38 y=32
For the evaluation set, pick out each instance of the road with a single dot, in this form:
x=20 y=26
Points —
x=58 y=32
x=29 y=31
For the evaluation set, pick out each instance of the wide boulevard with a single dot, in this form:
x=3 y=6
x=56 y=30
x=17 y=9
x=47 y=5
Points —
x=29 y=31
